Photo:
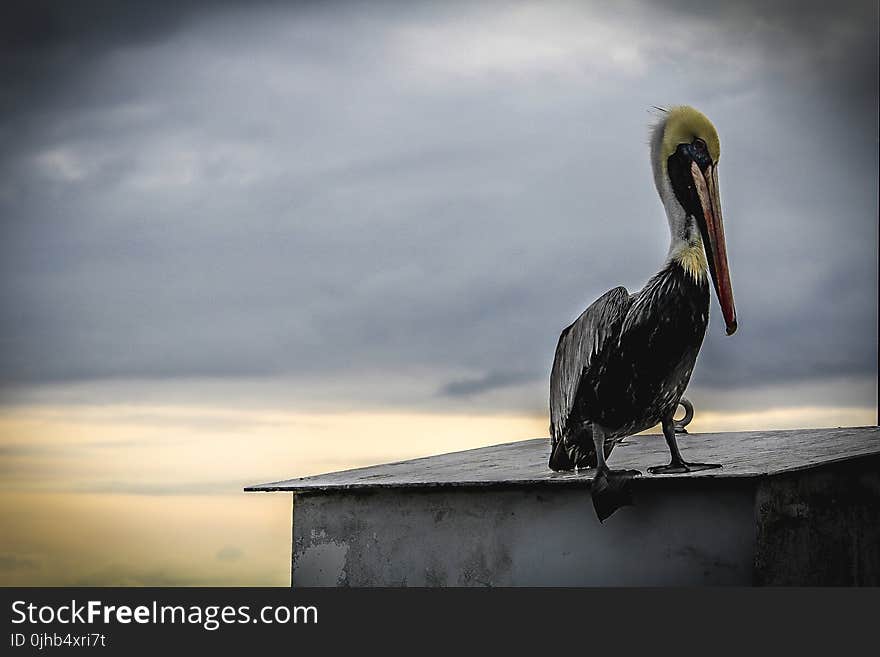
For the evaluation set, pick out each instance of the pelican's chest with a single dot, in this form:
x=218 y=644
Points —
x=662 y=336
x=669 y=316
x=681 y=312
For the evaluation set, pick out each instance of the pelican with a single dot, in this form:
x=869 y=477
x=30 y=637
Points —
x=624 y=364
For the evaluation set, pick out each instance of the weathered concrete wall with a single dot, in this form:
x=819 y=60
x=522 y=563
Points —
x=788 y=507
x=820 y=527
x=677 y=534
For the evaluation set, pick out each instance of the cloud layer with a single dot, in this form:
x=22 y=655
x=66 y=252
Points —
x=342 y=196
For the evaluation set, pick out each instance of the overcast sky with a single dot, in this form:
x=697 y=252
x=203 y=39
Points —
x=402 y=204
x=243 y=244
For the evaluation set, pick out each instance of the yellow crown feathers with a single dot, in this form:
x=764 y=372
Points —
x=683 y=125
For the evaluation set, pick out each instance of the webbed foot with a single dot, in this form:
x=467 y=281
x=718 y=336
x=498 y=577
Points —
x=610 y=490
x=682 y=467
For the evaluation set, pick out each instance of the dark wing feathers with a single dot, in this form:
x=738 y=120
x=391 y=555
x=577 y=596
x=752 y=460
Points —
x=578 y=346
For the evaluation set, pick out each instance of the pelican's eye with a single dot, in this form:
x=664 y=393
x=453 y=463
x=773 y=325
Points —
x=700 y=153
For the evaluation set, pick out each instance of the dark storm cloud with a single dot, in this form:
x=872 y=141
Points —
x=491 y=381
x=305 y=190
x=45 y=45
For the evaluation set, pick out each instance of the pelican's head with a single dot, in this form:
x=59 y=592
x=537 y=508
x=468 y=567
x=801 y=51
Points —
x=685 y=150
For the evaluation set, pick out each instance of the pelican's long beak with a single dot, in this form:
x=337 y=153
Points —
x=706 y=184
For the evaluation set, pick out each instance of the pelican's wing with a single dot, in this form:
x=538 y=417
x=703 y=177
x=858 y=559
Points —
x=578 y=345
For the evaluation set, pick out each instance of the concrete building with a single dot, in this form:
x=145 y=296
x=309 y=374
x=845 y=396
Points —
x=788 y=508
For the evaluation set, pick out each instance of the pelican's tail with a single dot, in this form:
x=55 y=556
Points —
x=560 y=461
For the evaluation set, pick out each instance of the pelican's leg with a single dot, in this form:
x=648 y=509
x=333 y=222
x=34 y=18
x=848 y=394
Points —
x=610 y=488
x=677 y=464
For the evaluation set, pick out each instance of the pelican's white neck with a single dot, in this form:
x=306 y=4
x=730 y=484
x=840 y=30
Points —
x=685 y=243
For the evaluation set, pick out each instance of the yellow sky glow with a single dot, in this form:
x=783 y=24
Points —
x=134 y=495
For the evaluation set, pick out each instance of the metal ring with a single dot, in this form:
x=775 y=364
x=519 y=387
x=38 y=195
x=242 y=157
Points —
x=688 y=413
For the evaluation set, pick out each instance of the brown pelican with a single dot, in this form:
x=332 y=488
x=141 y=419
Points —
x=623 y=366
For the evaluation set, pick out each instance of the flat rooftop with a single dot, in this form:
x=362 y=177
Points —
x=742 y=454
